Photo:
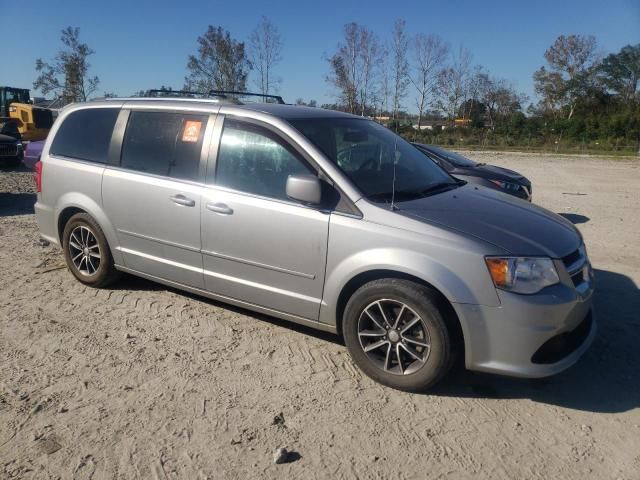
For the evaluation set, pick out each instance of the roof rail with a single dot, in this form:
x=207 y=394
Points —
x=212 y=96
x=173 y=93
x=224 y=93
x=166 y=99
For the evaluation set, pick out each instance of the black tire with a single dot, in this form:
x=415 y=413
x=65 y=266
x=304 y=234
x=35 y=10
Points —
x=418 y=301
x=12 y=163
x=103 y=272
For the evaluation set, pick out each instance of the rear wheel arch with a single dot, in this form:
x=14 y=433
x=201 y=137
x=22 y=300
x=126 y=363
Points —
x=72 y=203
x=90 y=244
x=65 y=216
x=445 y=306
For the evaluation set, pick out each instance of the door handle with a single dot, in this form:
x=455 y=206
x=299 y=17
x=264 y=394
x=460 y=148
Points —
x=218 y=207
x=182 y=200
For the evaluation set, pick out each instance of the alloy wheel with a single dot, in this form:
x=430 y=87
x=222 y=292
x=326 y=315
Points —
x=84 y=250
x=394 y=337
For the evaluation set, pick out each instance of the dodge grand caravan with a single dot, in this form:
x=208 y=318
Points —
x=321 y=218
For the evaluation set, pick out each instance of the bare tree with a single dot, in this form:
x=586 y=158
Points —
x=353 y=68
x=345 y=74
x=265 y=51
x=384 y=74
x=221 y=63
x=400 y=75
x=68 y=75
x=452 y=84
x=572 y=67
x=370 y=58
x=499 y=99
x=430 y=53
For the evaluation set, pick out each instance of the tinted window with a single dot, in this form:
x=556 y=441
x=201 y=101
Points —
x=254 y=160
x=167 y=144
x=436 y=159
x=86 y=134
x=453 y=157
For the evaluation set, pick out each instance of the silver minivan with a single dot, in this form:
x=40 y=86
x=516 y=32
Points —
x=321 y=218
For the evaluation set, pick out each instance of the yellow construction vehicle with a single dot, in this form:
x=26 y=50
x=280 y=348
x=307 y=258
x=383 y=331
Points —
x=33 y=122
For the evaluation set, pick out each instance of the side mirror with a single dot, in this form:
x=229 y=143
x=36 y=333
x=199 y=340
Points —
x=304 y=188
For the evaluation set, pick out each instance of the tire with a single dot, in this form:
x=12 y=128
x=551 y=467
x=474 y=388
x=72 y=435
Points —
x=96 y=269
x=391 y=363
x=12 y=163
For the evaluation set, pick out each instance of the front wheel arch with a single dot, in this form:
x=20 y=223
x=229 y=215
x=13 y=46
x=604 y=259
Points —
x=448 y=312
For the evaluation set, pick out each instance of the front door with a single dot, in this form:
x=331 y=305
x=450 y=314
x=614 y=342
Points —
x=258 y=246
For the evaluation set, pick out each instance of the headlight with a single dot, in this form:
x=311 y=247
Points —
x=521 y=274
x=512 y=187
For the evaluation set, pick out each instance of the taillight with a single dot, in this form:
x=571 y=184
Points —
x=38 y=176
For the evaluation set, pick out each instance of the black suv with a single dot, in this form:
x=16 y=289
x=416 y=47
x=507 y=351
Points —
x=11 y=149
x=489 y=176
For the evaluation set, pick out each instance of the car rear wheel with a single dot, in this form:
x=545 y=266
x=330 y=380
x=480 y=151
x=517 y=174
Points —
x=396 y=334
x=87 y=252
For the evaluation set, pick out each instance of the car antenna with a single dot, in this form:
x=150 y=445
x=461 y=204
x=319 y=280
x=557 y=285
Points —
x=393 y=184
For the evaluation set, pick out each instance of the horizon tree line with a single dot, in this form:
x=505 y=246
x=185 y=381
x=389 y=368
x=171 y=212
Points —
x=580 y=91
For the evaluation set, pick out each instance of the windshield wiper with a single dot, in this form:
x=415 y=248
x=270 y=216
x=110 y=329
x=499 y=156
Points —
x=441 y=187
x=406 y=195
x=399 y=196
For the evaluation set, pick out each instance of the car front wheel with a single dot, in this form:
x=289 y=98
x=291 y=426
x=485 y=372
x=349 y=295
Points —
x=396 y=334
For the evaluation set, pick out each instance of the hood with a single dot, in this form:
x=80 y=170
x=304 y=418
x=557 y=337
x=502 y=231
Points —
x=492 y=172
x=7 y=138
x=512 y=224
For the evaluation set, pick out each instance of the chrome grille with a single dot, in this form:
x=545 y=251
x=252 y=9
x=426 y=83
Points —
x=577 y=266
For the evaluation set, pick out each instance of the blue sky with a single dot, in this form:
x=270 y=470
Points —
x=144 y=44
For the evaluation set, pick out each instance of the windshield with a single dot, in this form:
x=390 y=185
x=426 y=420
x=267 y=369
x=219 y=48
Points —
x=455 y=158
x=366 y=151
x=16 y=95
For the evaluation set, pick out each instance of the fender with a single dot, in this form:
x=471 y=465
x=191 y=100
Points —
x=87 y=204
x=454 y=286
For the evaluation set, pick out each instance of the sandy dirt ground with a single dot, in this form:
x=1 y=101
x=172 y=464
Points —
x=138 y=381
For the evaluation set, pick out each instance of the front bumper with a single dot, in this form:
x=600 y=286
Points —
x=529 y=335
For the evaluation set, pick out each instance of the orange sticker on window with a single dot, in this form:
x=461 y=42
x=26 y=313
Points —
x=191 y=131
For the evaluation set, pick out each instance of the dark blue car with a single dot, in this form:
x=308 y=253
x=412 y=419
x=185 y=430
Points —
x=489 y=176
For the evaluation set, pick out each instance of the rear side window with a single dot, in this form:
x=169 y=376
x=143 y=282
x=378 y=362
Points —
x=167 y=144
x=86 y=134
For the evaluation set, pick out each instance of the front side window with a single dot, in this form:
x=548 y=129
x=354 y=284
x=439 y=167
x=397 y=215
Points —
x=254 y=160
x=86 y=134
x=167 y=144
x=380 y=163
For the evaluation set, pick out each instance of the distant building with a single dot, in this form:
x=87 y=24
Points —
x=462 y=122
x=431 y=124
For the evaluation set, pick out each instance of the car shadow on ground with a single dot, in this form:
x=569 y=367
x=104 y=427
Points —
x=575 y=218
x=130 y=282
x=16 y=203
x=606 y=379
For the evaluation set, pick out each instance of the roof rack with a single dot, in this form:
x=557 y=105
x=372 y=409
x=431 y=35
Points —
x=173 y=93
x=225 y=93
